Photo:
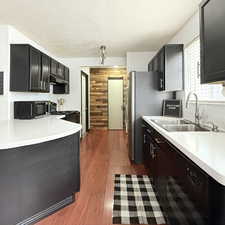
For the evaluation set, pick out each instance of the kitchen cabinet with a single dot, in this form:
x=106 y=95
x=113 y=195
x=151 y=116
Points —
x=35 y=69
x=38 y=179
x=67 y=78
x=169 y=63
x=148 y=151
x=31 y=70
x=25 y=68
x=60 y=71
x=45 y=72
x=185 y=192
x=63 y=88
x=54 y=67
x=212 y=35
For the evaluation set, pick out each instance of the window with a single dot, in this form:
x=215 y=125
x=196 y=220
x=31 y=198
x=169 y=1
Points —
x=205 y=92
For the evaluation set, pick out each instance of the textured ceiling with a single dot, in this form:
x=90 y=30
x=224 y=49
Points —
x=76 y=28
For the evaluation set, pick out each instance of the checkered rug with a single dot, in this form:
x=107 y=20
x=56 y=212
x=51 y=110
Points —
x=135 y=201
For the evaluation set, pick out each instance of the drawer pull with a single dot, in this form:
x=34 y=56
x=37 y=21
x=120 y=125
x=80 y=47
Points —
x=158 y=141
x=194 y=178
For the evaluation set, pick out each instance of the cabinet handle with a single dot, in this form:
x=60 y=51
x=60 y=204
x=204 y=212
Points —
x=144 y=138
x=161 y=83
x=198 y=70
x=158 y=141
x=193 y=177
x=152 y=151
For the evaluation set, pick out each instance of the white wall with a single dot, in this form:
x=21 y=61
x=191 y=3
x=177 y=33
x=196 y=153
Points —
x=138 y=61
x=4 y=67
x=209 y=112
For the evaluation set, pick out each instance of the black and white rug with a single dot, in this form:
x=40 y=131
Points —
x=135 y=201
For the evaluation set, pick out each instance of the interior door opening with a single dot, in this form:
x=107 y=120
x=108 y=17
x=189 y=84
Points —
x=115 y=103
x=84 y=104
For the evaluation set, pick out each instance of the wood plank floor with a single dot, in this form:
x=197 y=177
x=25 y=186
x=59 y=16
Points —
x=103 y=154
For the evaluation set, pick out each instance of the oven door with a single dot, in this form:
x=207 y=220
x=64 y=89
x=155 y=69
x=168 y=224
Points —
x=40 y=108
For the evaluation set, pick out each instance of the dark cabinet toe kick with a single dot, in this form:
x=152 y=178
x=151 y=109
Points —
x=52 y=209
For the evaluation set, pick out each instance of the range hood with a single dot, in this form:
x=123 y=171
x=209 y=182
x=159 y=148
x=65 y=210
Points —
x=57 y=80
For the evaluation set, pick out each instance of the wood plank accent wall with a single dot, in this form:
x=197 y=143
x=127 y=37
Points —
x=99 y=94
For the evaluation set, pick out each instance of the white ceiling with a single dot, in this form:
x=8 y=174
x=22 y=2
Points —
x=76 y=28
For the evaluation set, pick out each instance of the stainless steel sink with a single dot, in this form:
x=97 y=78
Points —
x=171 y=121
x=183 y=127
x=176 y=125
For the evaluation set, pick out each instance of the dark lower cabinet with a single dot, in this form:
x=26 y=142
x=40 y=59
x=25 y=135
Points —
x=187 y=195
x=39 y=179
x=73 y=117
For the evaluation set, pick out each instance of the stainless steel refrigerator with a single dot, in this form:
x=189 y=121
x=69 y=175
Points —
x=144 y=99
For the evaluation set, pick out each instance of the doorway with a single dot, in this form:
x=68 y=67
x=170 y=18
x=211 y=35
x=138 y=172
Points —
x=115 y=103
x=84 y=104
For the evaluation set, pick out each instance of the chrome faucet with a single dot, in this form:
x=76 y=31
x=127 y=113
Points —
x=197 y=116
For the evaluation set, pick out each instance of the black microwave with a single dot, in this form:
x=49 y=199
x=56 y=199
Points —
x=29 y=109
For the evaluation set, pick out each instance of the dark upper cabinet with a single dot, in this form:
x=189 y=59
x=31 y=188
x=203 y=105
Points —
x=212 y=34
x=67 y=78
x=63 y=88
x=35 y=69
x=25 y=68
x=60 y=71
x=30 y=71
x=54 y=67
x=45 y=72
x=169 y=62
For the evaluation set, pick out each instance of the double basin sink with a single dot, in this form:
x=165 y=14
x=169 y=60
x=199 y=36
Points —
x=177 y=125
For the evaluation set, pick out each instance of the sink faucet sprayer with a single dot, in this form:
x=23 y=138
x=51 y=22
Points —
x=197 y=116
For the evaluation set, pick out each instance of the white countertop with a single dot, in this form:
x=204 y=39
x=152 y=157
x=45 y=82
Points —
x=17 y=133
x=206 y=149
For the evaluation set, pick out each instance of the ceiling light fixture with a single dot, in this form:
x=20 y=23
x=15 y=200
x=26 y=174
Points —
x=102 y=54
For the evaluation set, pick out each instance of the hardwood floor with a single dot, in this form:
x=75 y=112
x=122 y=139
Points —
x=103 y=154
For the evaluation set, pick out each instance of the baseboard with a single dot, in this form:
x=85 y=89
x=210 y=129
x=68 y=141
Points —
x=33 y=219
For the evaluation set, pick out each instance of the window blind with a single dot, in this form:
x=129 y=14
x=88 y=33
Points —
x=205 y=92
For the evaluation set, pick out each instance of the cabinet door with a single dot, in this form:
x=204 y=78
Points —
x=146 y=148
x=67 y=78
x=150 y=66
x=35 y=69
x=45 y=72
x=212 y=41
x=60 y=71
x=53 y=67
x=155 y=64
x=191 y=192
x=161 y=70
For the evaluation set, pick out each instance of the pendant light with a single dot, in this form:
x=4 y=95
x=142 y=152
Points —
x=102 y=54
